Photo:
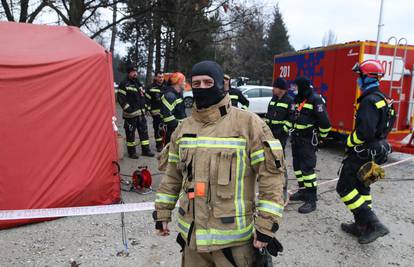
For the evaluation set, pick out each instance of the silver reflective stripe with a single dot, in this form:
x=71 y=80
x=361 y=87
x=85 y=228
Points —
x=275 y=145
x=239 y=197
x=212 y=142
x=270 y=207
x=221 y=237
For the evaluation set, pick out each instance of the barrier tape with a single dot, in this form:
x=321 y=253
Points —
x=74 y=211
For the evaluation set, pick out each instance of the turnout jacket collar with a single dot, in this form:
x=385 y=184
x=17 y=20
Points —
x=213 y=113
x=369 y=92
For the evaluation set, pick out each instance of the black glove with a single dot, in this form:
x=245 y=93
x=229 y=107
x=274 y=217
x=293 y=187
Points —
x=158 y=224
x=274 y=246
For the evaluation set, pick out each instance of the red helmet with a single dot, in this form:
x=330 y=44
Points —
x=177 y=78
x=370 y=68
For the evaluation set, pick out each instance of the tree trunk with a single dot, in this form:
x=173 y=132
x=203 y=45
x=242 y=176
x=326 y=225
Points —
x=150 y=47
x=24 y=5
x=157 y=29
x=167 y=66
x=7 y=10
x=114 y=30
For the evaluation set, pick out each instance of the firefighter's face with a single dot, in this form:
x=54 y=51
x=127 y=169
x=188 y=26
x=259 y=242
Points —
x=159 y=78
x=133 y=74
x=294 y=88
x=202 y=82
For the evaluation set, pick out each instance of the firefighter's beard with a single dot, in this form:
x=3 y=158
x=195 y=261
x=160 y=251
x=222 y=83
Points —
x=206 y=97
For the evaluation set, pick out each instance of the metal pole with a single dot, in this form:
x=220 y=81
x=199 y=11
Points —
x=380 y=25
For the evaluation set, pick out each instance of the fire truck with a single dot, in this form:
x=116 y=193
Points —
x=329 y=68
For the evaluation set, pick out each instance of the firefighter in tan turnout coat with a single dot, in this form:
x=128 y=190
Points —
x=215 y=158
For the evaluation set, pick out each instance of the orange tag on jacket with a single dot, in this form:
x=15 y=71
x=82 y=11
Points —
x=190 y=195
x=200 y=189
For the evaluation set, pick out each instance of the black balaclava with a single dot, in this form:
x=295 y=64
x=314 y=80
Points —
x=207 y=97
x=305 y=89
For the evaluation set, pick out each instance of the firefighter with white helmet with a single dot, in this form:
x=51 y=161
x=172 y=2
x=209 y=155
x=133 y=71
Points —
x=215 y=158
x=366 y=144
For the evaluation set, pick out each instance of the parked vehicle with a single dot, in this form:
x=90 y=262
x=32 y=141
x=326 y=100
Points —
x=258 y=96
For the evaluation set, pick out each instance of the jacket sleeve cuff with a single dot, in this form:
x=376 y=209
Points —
x=262 y=237
x=163 y=215
x=266 y=226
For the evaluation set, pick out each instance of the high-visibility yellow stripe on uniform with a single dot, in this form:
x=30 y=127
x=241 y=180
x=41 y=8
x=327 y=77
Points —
x=148 y=96
x=349 y=196
x=209 y=237
x=275 y=145
x=173 y=158
x=283 y=105
x=126 y=106
x=168 y=105
x=278 y=122
x=130 y=144
x=356 y=204
x=133 y=89
x=145 y=142
x=270 y=207
x=302 y=126
x=354 y=194
x=183 y=227
x=235 y=97
x=272 y=103
x=244 y=107
x=211 y=142
x=122 y=91
x=257 y=156
x=380 y=104
x=239 y=192
x=308 y=106
x=309 y=180
x=166 y=198
x=155 y=90
x=168 y=119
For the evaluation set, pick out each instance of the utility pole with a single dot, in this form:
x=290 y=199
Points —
x=380 y=25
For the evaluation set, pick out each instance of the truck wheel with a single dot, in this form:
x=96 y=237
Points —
x=188 y=102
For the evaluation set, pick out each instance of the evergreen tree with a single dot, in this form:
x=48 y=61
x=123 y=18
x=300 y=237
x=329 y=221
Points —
x=278 y=38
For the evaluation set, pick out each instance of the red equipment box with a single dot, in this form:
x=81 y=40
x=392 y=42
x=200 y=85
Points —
x=329 y=68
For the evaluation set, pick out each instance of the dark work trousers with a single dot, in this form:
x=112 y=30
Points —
x=304 y=163
x=157 y=124
x=138 y=123
x=169 y=131
x=355 y=195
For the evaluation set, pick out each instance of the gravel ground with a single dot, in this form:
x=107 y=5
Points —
x=314 y=239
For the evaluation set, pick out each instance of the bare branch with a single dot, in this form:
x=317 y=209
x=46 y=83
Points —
x=7 y=10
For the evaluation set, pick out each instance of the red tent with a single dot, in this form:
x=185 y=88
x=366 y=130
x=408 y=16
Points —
x=57 y=142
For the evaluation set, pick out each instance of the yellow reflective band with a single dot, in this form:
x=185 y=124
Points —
x=165 y=198
x=211 y=142
x=349 y=141
x=183 y=227
x=302 y=126
x=286 y=129
x=324 y=130
x=145 y=142
x=270 y=207
x=170 y=118
x=367 y=197
x=133 y=89
x=356 y=139
x=275 y=145
x=155 y=90
x=288 y=124
x=132 y=144
x=173 y=158
x=297 y=173
x=135 y=113
x=209 y=237
x=235 y=97
x=308 y=106
x=244 y=107
x=283 y=105
x=158 y=139
x=370 y=206
x=267 y=120
x=392 y=112
x=122 y=92
x=356 y=204
x=257 y=157
x=166 y=104
x=148 y=96
x=323 y=135
x=380 y=104
x=272 y=103
x=314 y=184
x=126 y=106
x=278 y=122
x=350 y=195
x=309 y=177
x=155 y=110
x=239 y=192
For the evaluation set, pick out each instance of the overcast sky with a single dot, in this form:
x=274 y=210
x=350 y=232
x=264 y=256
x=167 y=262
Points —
x=351 y=20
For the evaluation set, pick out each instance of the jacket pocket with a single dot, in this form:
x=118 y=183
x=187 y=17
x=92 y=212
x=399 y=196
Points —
x=226 y=175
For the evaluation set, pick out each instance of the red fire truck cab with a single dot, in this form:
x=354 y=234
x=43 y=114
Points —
x=329 y=68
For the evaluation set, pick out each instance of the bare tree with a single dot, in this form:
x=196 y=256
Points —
x=329 y=38
x=23 y=10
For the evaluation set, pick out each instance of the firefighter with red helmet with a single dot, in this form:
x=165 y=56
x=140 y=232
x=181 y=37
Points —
x=367 y=142
x=172 y=106
x=235 y=95
x=310 y=122
x=215 y=159
x=153 y=94
x=131 y=97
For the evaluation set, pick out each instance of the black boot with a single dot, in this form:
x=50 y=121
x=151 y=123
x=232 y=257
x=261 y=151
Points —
x=147 y=152
x=298 y=196
x=351 y=228
x=159 y=146
x=372 y=231
x=307 y=207
x=132 y=154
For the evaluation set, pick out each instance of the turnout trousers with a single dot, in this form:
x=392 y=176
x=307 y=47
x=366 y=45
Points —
x=243 y=256
x=304 y=163
x=157 y=124
x=130 y=125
